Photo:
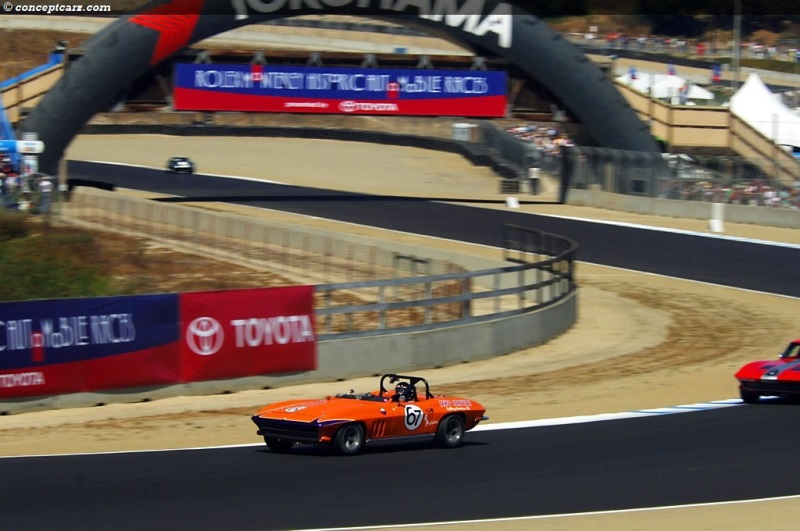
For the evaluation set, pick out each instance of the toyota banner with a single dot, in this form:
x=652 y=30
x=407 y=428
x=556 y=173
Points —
x=228 y=334
x=331 y=90
x=62 y=346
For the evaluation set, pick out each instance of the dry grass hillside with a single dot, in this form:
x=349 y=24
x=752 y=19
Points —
x=22 y=50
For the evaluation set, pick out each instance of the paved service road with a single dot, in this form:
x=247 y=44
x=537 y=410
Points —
x=724 y=261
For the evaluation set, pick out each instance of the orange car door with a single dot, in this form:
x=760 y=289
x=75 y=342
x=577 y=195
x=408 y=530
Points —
x=405 y=418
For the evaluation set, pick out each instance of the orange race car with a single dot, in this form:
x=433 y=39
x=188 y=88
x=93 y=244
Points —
x=403 y=411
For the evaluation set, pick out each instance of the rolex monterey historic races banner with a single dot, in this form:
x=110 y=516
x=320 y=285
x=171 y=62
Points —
x=320 y=89
x=62 y=346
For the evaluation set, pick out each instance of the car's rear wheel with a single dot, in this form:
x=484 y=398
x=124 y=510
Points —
x=278 y=445
x=749 y=397
x=349 y=440
x=450 y=433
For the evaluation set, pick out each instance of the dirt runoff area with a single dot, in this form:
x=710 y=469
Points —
x=640 y=341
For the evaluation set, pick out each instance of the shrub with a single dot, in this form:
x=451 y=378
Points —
x=13 y=225
x=36 y=265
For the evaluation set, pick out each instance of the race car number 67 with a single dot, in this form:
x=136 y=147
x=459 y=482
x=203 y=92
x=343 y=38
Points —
x=413 y=417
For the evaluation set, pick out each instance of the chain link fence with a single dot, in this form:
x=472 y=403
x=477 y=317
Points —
x=731 y=179
x=713 y=178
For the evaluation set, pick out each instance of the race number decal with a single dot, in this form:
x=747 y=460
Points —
x=413 y=417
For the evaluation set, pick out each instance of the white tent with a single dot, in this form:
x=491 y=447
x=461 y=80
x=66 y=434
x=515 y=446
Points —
x=665 y=86
x=671 y=86
x=756 y=105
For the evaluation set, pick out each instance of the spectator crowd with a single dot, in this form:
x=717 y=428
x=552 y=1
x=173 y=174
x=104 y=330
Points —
x=546 y=138
x=753 y=193
x=783 y=51
x=29 y=192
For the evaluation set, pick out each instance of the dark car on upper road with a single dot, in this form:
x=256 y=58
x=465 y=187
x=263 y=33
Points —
x=180 y=165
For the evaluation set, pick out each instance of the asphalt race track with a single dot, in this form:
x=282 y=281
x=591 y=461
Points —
x=723 y=261
x=724 y=454
x=720 y=455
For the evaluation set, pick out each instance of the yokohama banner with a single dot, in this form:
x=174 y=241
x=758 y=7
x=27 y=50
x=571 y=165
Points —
x=247 y=332
x=267 y=88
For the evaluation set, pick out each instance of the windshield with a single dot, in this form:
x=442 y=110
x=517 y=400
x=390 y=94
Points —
x=792 y=351
x=363 y=396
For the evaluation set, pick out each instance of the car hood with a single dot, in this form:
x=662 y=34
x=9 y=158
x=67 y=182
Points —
x=321 y=409
x=783 y=369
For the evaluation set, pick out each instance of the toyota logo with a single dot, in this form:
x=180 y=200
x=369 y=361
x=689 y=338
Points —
x=205 y=336
x=347 y=106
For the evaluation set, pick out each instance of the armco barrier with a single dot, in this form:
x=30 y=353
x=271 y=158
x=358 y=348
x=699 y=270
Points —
x=509 y=305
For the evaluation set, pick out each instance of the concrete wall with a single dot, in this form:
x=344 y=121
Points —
x=445 y=346
x=26 y=94
x=756 y=215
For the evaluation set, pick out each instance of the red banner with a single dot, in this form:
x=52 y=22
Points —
x=230 y=334
x=340 y=90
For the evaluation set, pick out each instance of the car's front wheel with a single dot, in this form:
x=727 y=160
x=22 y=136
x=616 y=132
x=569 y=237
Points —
x=278 y=445
x=450 y=433
x=749 y=397
x=349 y=440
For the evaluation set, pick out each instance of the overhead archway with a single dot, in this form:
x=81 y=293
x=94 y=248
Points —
x=119 y=54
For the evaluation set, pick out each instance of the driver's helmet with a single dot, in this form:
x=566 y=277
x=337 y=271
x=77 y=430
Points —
x=402 y=392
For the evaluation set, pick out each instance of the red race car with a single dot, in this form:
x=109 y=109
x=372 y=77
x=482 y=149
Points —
x=780 y=377
x=403 y=409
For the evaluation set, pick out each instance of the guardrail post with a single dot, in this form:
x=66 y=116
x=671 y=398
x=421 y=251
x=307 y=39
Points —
x=382 y=312
x=428 y=295
x=466 y=306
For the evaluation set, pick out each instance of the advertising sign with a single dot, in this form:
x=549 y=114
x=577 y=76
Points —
x=372 y=91
x=30 y=146
x=21 y=146
x=75 y=345
x=234 y=333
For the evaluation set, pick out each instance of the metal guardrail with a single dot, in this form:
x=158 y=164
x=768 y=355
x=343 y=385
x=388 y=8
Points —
x=544 y=276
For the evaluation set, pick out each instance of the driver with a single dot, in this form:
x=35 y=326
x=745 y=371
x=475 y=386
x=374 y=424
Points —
x=402 y=392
